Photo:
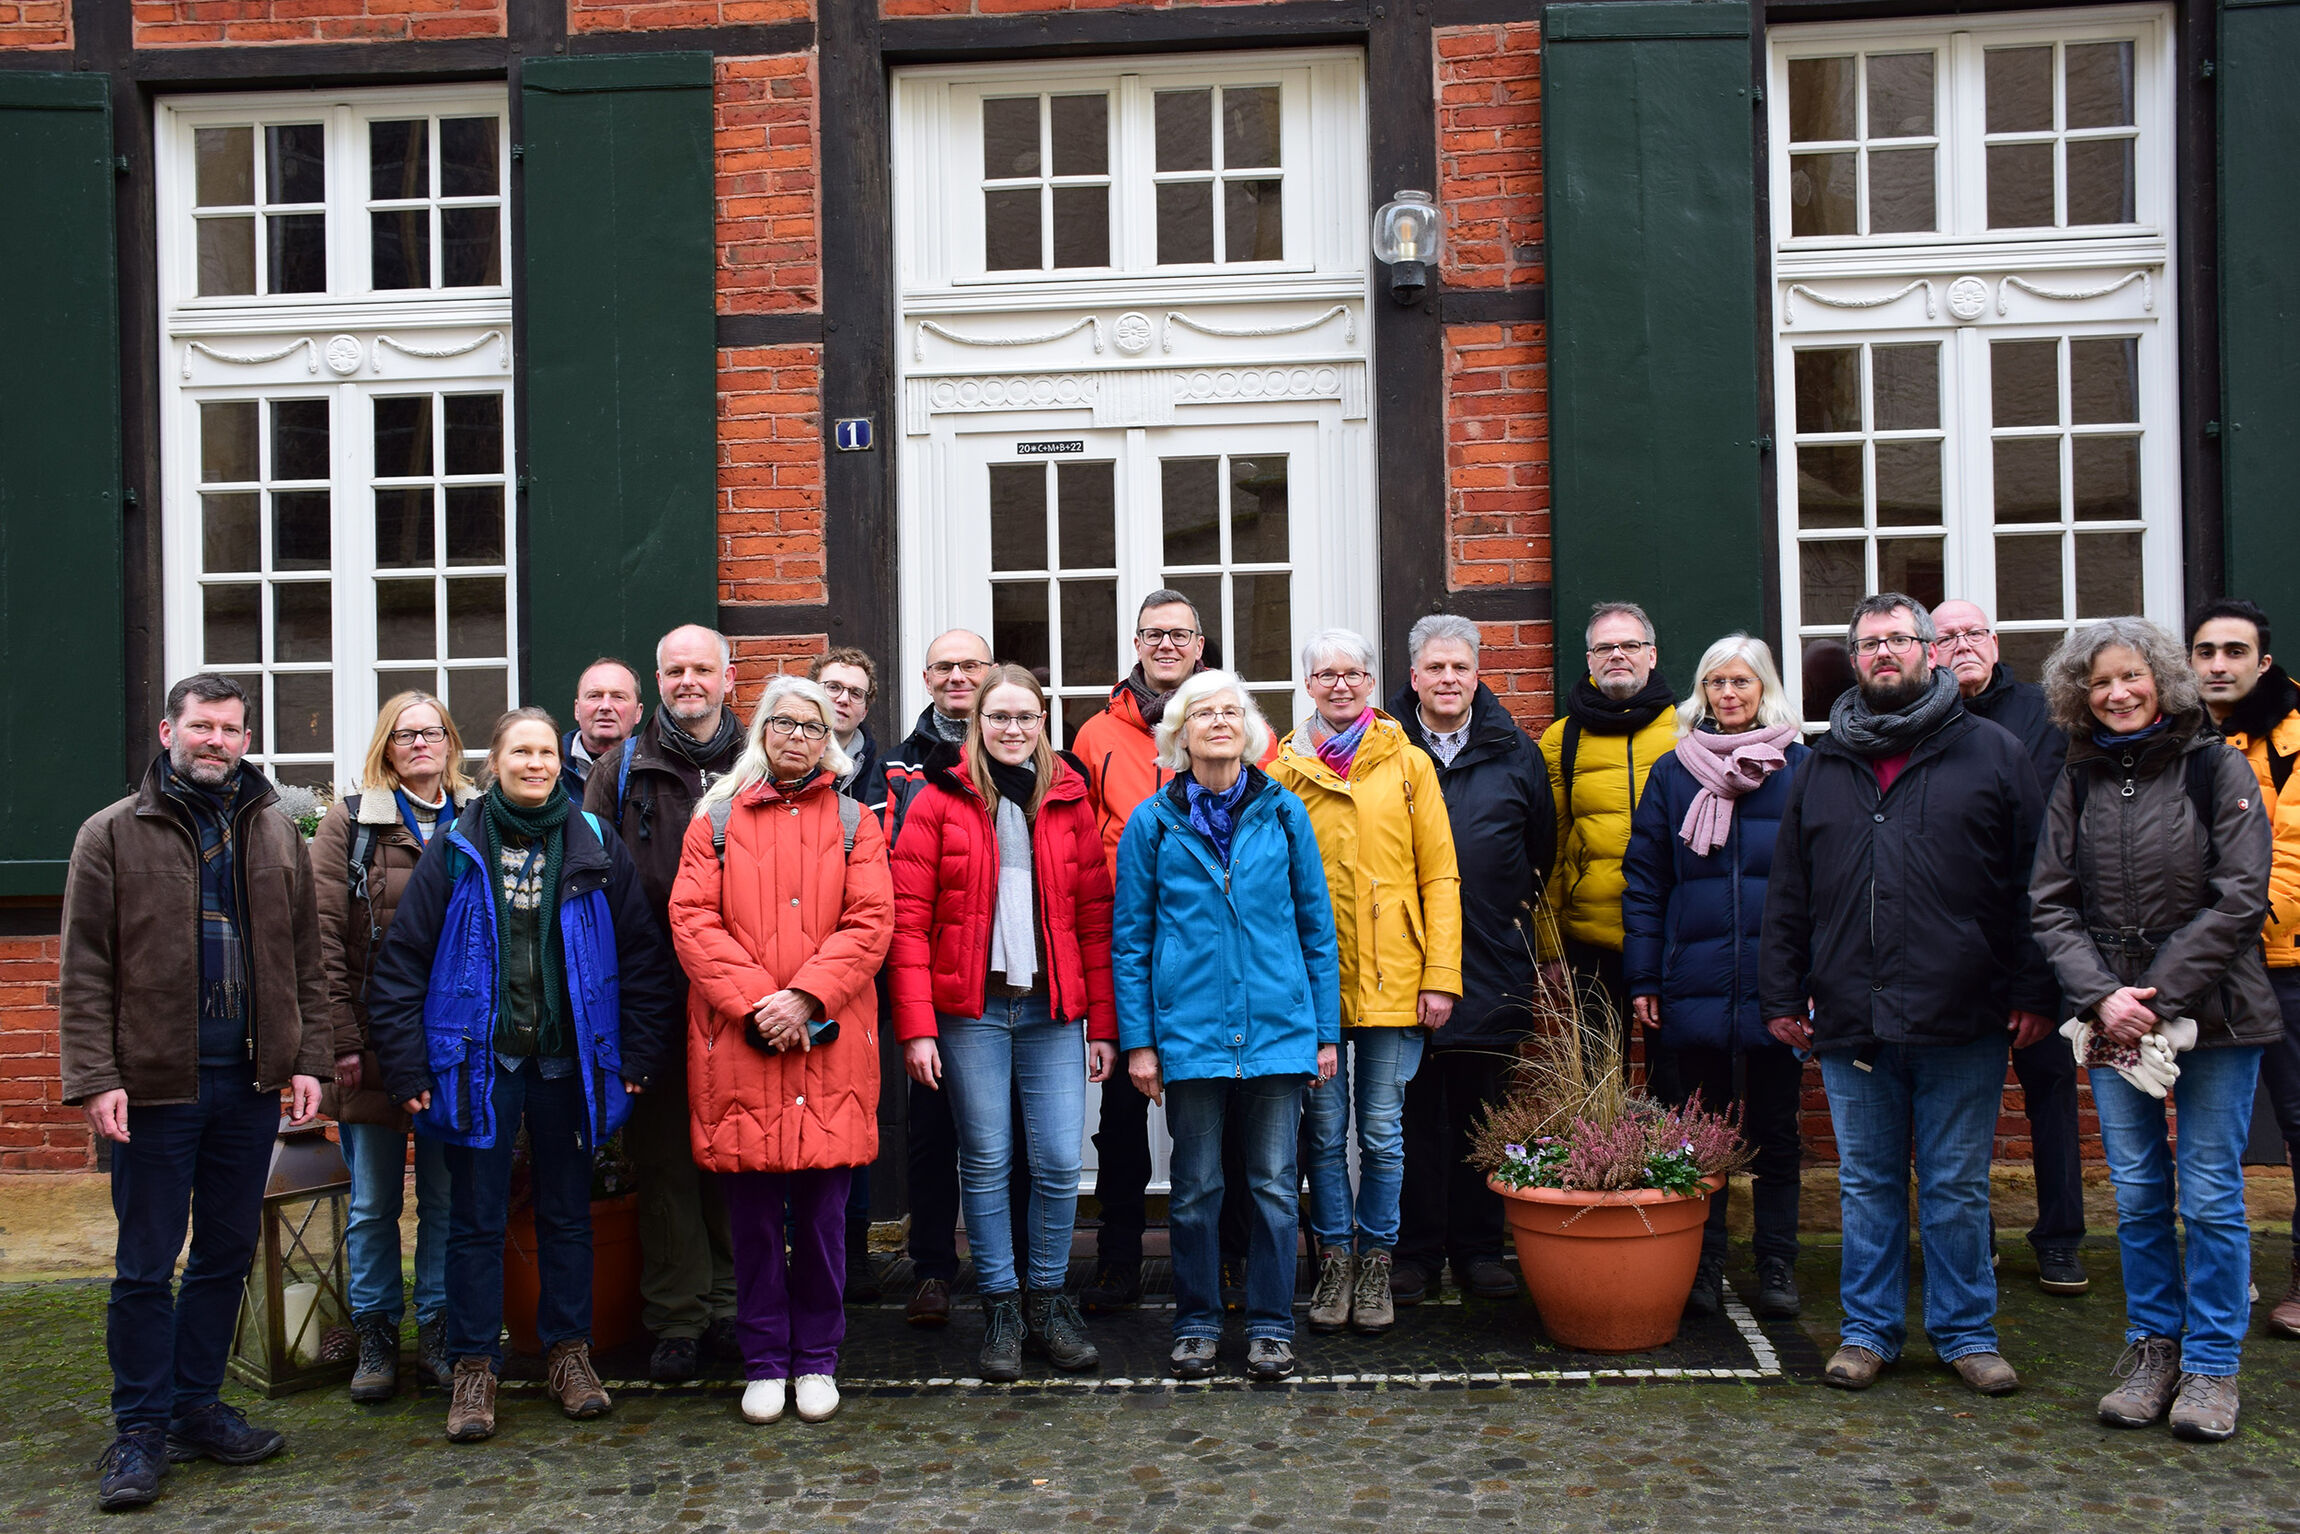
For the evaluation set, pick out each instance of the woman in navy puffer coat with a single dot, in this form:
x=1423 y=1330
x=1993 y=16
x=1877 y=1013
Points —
x=1700 y=849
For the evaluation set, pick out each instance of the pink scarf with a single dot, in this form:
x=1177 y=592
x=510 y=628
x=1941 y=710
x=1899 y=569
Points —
x=1726 y=767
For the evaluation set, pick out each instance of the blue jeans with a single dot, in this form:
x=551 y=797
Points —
x=2213 y=1106
x=1269 y=1109
x=1936 y=1104
x=1386 y=1060
x=1017 y=1047
x=377 y=1155
x=479 y=1208
x=202 y=1163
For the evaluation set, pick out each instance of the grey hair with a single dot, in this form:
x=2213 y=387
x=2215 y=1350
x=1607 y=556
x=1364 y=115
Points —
x=1347 y=643
x=751 y=766
x=1445 y=628
x=1196 y=689
x=1772 y=700
x=2068 y=671
x=1886 y=602
x=1603 y=610
x=726 y=651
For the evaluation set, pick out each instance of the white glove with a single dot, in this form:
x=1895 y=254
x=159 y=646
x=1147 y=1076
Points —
x=2078 y=1032
x=2148 y=1065
x=2179 y=1033
x=2154 y=1072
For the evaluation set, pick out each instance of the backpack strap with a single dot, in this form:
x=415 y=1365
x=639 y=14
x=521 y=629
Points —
x=722 y=810
x=850 y=818
x=623 y=771
x=593 y=821
x=1568 y=746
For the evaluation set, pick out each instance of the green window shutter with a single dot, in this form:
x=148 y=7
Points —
x=2259 y=311
x=621 y=359
x=60 y=471
x=1650 y=208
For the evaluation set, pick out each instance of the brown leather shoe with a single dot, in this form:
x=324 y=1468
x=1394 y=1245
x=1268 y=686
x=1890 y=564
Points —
x=574 y=1381
x=1987 y=1373
x=930 y=1306
x=2284 y=1320
x=1853 y=1367
x=471 y=1407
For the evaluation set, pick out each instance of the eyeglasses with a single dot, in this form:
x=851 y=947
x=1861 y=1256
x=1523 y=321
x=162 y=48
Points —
x=430 y=737
x=849 y=694
x=1218 y=715
x=1965 y=639
x=1628 y=648
x=784 y=724
x=1898 y=644
x=943 y=668
x=1153 y=638
x=1730 y=683
x=1003 y=722
x=1341 y=678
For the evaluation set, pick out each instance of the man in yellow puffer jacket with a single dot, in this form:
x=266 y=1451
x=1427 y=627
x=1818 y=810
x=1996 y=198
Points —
x=1387 y=845
x=1617 y=722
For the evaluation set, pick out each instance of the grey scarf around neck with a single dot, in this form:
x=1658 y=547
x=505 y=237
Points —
x=1013 y=943
x=1867 y=733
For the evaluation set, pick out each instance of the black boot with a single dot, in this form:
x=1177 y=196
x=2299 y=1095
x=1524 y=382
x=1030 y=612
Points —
x=377 y=1376
x=1777 y=1298
x=862 y=1286
x=1708 y=1296
x=432 y=1365
x=1114 y=1286
x=1002 y=1333
x=1058 y=1332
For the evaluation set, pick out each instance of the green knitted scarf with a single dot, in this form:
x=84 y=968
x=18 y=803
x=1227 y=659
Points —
x=546 y=824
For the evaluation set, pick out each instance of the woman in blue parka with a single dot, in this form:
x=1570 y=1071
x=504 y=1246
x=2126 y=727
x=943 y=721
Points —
x=1229 y=1000
x=523 y=981
x=1700 y=848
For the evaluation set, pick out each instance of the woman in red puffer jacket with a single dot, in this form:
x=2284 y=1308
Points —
x=1001 y=950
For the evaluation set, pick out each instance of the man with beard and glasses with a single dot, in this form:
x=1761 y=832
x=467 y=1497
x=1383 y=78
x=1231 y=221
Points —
x=1897 y=948
x=1617 y=722
x=188 y=903
x=647 y=792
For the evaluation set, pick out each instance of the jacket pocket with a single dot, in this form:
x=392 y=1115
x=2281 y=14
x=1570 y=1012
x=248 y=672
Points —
x=449 y=1056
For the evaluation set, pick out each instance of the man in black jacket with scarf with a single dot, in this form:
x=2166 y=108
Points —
x=1897 y=949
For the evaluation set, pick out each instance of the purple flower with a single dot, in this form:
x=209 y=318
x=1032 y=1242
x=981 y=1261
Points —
x=1514 y=1150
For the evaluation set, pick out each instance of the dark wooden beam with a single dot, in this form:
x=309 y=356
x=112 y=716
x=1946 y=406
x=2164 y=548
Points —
x=1502 y=604
x=787 y=328
x=1527 y=305
x=1120 y=29
x=726 y=42
x=319 y=64
x=759 y=620
x=2196 y=257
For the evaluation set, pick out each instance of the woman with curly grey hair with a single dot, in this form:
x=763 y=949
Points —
x=2149 y=888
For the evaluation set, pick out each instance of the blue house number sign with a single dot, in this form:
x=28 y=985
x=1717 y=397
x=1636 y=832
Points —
x=851 y=434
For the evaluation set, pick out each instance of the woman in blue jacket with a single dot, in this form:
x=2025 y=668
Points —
x=1229 y=1000
x=523 y=981
x=1700 y=849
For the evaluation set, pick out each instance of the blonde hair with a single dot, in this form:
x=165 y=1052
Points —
x=377 y=772
x=751 y=766
x=1041 y=754
x=1772 y=699
x=1172 y=755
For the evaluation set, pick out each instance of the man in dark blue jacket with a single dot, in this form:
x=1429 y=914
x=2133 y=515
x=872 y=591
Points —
x=1504 y=821
x=1897 y=948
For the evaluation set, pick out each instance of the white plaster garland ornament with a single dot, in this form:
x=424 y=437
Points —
x=1256 y=332
x=310 y=362
x=1091 y=323
x=1798 y=289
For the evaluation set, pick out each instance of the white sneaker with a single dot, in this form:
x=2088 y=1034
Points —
x=763 y=1401
x=818 y=1397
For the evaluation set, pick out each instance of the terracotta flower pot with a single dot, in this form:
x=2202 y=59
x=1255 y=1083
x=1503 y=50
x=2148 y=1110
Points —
x=1609 y=1272
x=614 y=1275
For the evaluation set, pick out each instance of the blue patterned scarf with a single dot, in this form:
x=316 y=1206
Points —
x=223 y=957
x=1215 y=814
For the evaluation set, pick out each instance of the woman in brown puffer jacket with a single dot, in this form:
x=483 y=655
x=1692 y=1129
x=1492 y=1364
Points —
x=362 y=856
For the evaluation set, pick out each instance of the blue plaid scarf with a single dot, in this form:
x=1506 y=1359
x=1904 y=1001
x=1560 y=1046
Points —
x=224 y=1038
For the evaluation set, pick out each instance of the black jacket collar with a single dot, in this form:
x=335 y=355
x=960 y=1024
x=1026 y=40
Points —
x=2268 y=705
x=1490 y=724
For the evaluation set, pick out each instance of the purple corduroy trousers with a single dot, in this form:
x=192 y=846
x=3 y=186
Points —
x=790 y=1314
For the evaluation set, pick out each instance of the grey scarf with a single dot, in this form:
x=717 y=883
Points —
x=1866 y=733
x=1013 y=941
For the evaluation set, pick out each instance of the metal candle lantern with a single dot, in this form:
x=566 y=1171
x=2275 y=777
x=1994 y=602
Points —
x=295 y=1316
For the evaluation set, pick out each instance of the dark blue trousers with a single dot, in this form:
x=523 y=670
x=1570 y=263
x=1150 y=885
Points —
x=479 y=1180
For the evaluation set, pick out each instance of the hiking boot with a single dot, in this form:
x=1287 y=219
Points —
x=1853 y=1367
x=2284 y=1320
x=1269 y=1358
x=133 y=1468
x=1486 y=1278
x=471 y=1406
x=1233 y=1284
x=1114 y=1286
x=1057 y=1332
x=674 y=1360
x=376 y=1378
x=222 y=1433
x=930 y=1306
x=2205 y=1409
x=1410 y=1283
x=575 y=1382
x=2059 y=1272
x=1330 y=1301
x=2150 y=1369
x=1002 y=1333
x=432 y=1365
x=1371 y=1309
x=1986 y=1373
x=1777 y=1297
x=1192 y=1358
x=1708 y=1295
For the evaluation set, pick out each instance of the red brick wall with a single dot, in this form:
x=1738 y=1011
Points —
x=769 y=208
x=760 y=657
x=35 y=24
x=650 y=15
x=37 y=1132
x=177 y=23
x=1489 y=153
x=1497 y=493
x=771 y=474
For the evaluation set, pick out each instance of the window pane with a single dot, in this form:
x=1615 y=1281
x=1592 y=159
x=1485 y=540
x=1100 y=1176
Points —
x=227 y=256
x=1249 y=127
x=2020 y=186
x=469 y=163
x=1085 y=505
x=403 y=437
x=1265 y=636
x=1900 y=191
x=2107 y=475
x=404 y=620
x=1906 y=381
x=1017 y=518
x=1830 y=580
x=252 y=683
x=1913 y=565
x=1829 y=486
x=228 y=442
x=1081 y=135
x=1277 y=706
x=1010 y=240
x=2101 y=187
x=475 y=619
x=2024 y=383
x=2099 y=85
x=398 y=159
x=1253 y=221
x=302 y=529
x=475 y=700
x=399 y=248
x=475 y=434
x=1829 y=389
x=2028 y=479
x=313 y=775
x=1082 y=226
x=475 y=525
x=303 y=712
x=1090 y=633
x=1900 y=95
x=223 y=167
x=1908 y=484
x=295 y=163
x=1076 y=711
x=1185 y=222
x=2104 y=379
x=1018 y=625
x=1185 y=130
x=2019 y=90
x=228 y=540
x=230 y=628
x=1010 y=138
x=470 y=249
x=303 y=621
x=2025 y=653
x=2028 y=578
x=1821 y=94
x=1258 y=512
x=1205 y=593
x=389 y=684
x=1190 y=510
x=296 y=253
x=299 y=439
x=1821 y=193
x=403 y=529
x=2108 y=576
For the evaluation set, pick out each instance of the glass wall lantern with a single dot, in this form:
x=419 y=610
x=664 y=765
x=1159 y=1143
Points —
x=294 y=1330
x=1407 y=235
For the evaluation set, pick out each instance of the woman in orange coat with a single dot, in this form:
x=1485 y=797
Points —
x=781 y=916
